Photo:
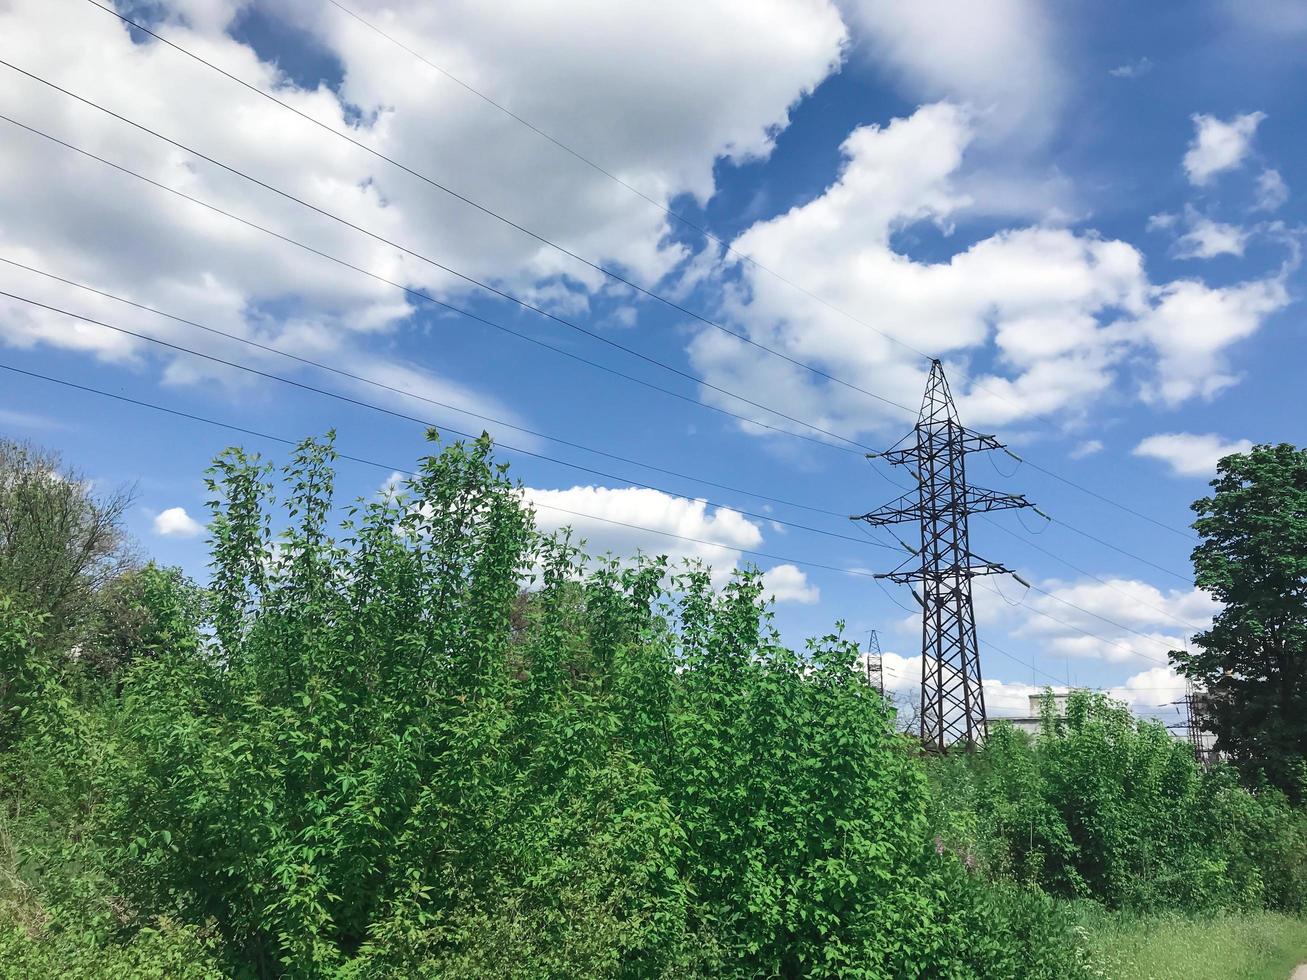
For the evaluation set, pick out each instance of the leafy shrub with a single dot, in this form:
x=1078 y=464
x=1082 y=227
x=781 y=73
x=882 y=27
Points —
x=1109 y=807
x=414 y=737
x=382 y=757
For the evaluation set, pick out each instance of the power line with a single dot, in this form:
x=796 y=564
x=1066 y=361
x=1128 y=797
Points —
x=1076 y=568
x=1186 y=579
x=421 y=257
x=490 y=212
x=1099 y=616
x=396 y=469
x=177 y=413
x=409 y=394
x=701 y=229
x=1084 y=632
x=420 y=295
x=1108 y=500
x=425 y=422
x=509 y=296
x=1025 y=663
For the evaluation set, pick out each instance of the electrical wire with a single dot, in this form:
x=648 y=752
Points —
x=1099 y=616
x=421 y=257
x=728 y=248
x=425 y=422
x=420 y=295
x=1089 y=633
x=1076 y=568
x=490 y=212
x=396 y=469
x=409 y=394
x=503 y=294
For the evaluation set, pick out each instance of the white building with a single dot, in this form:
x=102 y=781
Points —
x=1032 y=721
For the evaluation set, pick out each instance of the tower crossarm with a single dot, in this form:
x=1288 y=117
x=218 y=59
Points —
x=973 y=567
x=906 y=508
x=974 y=442
x=966 y=441
x=978 y=499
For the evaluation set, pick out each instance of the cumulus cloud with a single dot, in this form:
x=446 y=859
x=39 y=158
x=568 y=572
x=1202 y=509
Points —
x=1272 y=191
x=787 y=583
x=1145 y=692
x=1188 y=454
x=1207 y=239
x=1115 y=620
x=176 y=523
x=596 y=81
x=1219 y=145
x=1150 y=689
x=1087 y=448
x=624 y=521
x=1190 y=325
x=1062 y=311
x=1000 y=57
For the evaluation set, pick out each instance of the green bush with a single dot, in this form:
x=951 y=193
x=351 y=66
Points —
x=414 y=737
x=1105 y=806
x=382 y=756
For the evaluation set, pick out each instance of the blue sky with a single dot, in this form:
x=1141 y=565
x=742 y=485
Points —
x=1092 y=213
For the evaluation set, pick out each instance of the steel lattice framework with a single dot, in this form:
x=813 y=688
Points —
x=952 y=700
x=875 y=662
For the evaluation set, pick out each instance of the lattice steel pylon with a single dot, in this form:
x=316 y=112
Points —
x=875 y=662
x=952 y=699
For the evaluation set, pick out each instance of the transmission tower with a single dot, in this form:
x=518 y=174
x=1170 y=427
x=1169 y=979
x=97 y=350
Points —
x=875 y=665
x=952 y=700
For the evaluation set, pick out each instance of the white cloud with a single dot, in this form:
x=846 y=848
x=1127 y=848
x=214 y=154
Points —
x=1151 y=689
x=998 y=57
x=1065 y=312
x=585 y=73
x=624 y=521
x=1219 y=145
x=1189 y=327
x=1188 y=454
x=1207 y=239
x=1087 y=448
x=176 y=523
x=28 y=420
x=1132 y=69
x=1162 y=222
x=788 y=583
x=1272 y=191
x=1117 y=619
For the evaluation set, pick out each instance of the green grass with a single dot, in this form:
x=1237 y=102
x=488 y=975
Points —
x=1256 y=946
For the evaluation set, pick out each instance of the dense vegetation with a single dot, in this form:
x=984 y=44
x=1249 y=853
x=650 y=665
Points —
x=414 y=737
x=1252 y=663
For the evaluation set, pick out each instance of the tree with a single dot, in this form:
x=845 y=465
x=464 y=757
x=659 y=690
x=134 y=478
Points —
x=1253 y=661
x=144 y=612
x=60 y=542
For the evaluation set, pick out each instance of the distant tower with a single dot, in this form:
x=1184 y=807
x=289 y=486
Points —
x=875 y=667
x=952 y=700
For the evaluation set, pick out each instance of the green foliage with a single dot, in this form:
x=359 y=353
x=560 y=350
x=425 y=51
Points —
x=1254 y=946
x=22 y=668
x=164 y=951
x=1106 y=807
x=412 y=737
x=1253 y=661
x=390 y=761
x=59 y=541
x=145 y=612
